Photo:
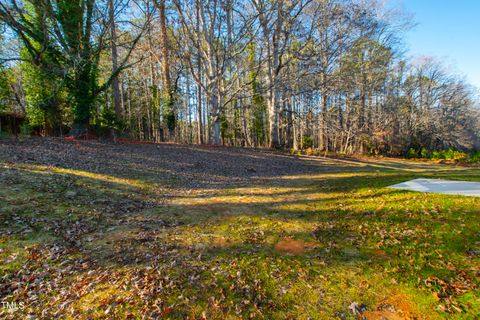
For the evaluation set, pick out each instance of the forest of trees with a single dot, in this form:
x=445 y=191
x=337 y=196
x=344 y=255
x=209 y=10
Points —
x=328 y=74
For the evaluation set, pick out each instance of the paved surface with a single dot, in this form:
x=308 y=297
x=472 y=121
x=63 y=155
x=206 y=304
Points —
x=464 y=188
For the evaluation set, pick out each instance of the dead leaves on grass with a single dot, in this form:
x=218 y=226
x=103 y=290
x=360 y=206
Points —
x=445 y=292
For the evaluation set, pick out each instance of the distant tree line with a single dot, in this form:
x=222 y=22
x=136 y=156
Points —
x=325 y=74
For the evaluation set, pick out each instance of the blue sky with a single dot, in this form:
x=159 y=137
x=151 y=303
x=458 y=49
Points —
x=449 y=30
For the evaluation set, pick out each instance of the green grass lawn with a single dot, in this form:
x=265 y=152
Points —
x=91 y=230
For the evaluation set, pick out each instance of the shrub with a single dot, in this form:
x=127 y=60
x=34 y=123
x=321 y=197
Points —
x=309 y=151
x=411 y=154
x=424 y=154
x=450 y=154
x=459 y=156
x=307 y=142
x=474 y=157
x=436 y=155
x=26 y=129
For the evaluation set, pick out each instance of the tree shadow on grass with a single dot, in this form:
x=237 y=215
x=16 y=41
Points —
x=119 y=202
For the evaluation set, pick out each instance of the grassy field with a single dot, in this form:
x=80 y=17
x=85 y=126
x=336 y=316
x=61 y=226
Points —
x=95 y=230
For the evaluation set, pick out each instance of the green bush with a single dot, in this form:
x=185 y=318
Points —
x=436 y=155
x=474 y=157
x=26 y=129
x=424 y=154
x=411 y=153
x=442 y=155
x=307 y=142
x=450 y=154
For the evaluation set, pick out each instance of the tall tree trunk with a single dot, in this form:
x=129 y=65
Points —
x=323 y=143
x=273 y=121
x=215 y=115
x=117 y=101
x=168 y=94
x=199 y=86
x=167 y=85
x=199 y=110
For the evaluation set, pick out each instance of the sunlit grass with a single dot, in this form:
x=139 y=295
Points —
x=39 y=169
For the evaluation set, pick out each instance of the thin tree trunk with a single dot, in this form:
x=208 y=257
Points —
x=117 y=100
x=199 y=112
